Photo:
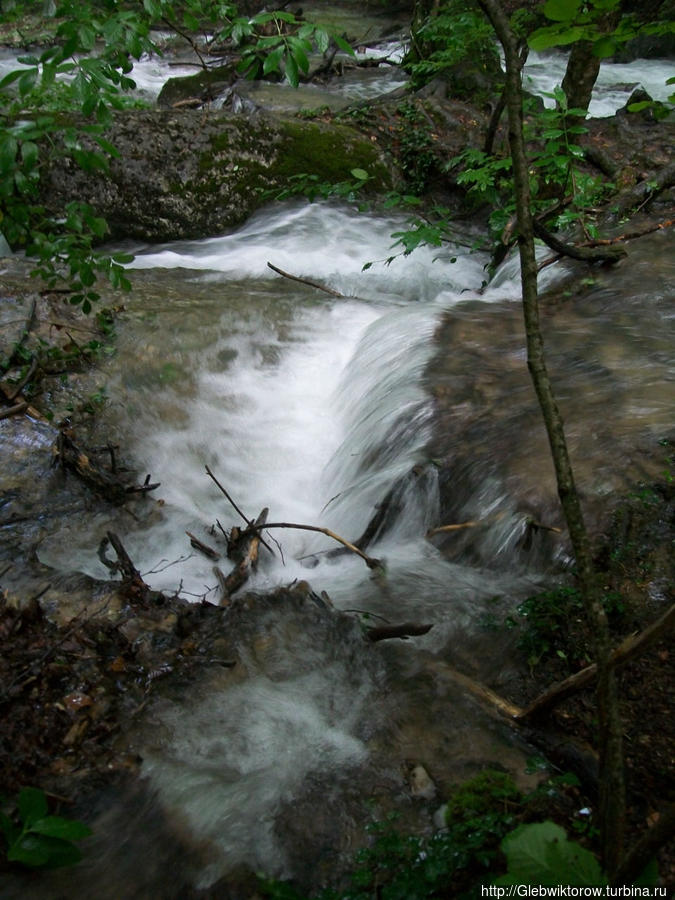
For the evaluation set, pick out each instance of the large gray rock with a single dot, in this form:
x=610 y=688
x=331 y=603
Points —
x=190 y=174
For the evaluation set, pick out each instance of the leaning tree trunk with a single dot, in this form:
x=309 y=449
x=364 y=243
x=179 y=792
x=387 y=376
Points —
x=612 y=793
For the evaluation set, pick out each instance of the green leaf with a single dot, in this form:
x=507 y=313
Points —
x=32 y=805
x=292 y=74
x=361 y=174
x=545 y=38
x=153 y=8
x=8 y=151
x=11 y=77
x=29 y=154
x=541 y=854
x=343 y=45
x=604 y=47
x=273 y=61
x=87 y=37
x=322 y=39
x=299 y=55
x=29 y=850
x=561 y=10
x=27 y=81
x=57 y=827
x=40 y=851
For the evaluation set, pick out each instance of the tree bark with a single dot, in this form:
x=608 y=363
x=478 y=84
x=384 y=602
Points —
x=612 y=791
x=580 y=76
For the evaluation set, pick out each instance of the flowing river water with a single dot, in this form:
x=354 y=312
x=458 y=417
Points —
x=315 y=406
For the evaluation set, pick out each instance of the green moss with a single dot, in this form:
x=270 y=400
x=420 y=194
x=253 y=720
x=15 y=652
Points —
x=328 y=151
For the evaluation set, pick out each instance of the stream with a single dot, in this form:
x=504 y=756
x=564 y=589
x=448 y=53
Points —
x=316 y=406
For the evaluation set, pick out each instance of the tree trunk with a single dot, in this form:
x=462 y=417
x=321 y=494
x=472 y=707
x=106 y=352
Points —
x=580 y=76
x=612 y=797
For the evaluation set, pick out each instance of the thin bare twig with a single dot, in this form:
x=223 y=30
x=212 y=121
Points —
x=314 y=284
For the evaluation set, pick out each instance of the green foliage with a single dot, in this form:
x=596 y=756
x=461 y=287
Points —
x=541 y=854
x=574 y=20
x=415 y=146
x=55 y=107
x=280 y=43
x=313 y=188
x=37 y=840
x=546 y=619
x=54 y=111
x=555 y=172
x=457 y=35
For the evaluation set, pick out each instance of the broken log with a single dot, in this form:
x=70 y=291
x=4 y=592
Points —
x=132 y=581
x=13 y=410
x=69 y=455
x=248 y=544
x=248 y=521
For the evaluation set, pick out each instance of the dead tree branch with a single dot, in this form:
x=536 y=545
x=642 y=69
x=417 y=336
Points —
x=370 y=561
x=13 y=410
x=202 y=547
x=314 y=284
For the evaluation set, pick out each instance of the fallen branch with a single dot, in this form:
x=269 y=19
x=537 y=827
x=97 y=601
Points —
x=585 y=254
x=632 y=646
x=132 y=580
x=370 y=561
x=13 y=410
x=69 y=455
x=202 y=547
x=485 y=695
x=248 y=544
x=639 y=194
x=563 y=749
x=404 y=630
x=306 y=281
x=444 y=529
x=629 y=235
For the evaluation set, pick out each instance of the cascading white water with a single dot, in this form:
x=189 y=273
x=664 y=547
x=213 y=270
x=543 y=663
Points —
x=614 y=85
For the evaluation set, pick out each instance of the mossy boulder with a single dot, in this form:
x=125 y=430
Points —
x=187 y=174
